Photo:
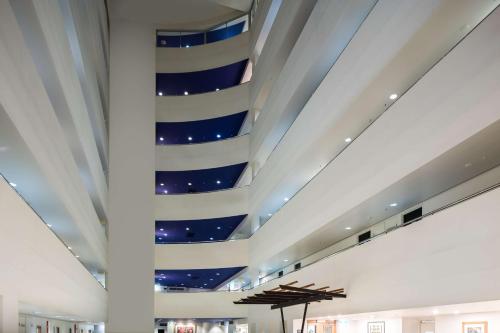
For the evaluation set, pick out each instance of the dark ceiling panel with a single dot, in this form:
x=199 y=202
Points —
x=199 y=131
x=192 y=231
x=195 y=278
x=201 y=81
x=195 y=181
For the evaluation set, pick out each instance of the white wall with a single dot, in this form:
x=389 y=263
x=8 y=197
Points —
x=202 y=106
x=230 y=202
x=38 y=269
x=198 y=58
x=202 y=255
x=453 y=323
x=425 y=264
x=199 y=305
x=207 y=155
x=131 y=179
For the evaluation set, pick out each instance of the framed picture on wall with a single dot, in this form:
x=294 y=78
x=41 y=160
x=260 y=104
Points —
x=311 y=328
x=376 y=327
x=184 y=329
x=475 y=327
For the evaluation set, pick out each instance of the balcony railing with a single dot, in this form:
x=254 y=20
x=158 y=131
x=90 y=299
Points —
x=179 y=39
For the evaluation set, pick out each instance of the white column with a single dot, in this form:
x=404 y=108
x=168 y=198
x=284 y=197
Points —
x=9 y=314
x=131 y=178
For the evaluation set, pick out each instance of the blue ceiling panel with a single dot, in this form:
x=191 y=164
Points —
x=201 y=81
x=195 y=181
x=195 y=278
x=187 y=40
x=199 y=131
x=205 y=230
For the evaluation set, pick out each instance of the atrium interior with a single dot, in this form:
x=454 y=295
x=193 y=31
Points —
x=249 y=166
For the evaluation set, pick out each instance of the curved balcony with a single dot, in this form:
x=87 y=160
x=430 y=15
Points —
x=202 y=255
x=181 y=60
x=194 y=206
x=435 y=106
x=200 y=82
x=200 y=131
x=199 y=305
x=202 y=106
x=204 y=155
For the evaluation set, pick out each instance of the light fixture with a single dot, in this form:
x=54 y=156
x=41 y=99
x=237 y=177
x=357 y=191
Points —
x=160 y=238
x=348 y=139
x=218 y=136
x=187 y=228
x=211 y=279
x=286 y=199
x=189 y=274
x=394 y=204
x=165 y=191
x=190 y=138
x=165 y=235
x=217 y=89
x=189 y=184
x=269 y=214
x=186 y=93
x=285 y=260
x=348 y=228
x=218 y=228
x=218 y=181
x=211 y=238
x=161 y=138
x=161 y=184
x=161 y=229
x=204 y=284
x=13 y=184
x=217 y=273
x=160 y=93
x=187 y=46
x=49 y=225
x=69 y=247
x=393 y=96
x=77 y=256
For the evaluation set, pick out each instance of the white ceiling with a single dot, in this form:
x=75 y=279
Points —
x=178 y=14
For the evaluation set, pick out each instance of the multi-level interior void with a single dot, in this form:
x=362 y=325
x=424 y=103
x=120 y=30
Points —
x=162 y=160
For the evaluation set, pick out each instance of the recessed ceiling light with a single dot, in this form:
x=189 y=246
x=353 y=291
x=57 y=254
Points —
x=348 y=228
x=285 y=260
x=161 y=184
x=165 y=191
x=211 y=279
x=348 y=139
x=49 y=225
x=165 y=235
x=217 y=273
x=218 y=181
x=217 y=89
x=77 y=256
x=393 y=96
x=218 y=228
x=187 y=45
x=394 y=204
x=286 y=199
x=186 y=93
x=187 y=228
x=161 y=138
x=190 y=138
x=161 y=229
x=160 y=93
x=189 y=274
x=218 y=136
x=211 y=238
x=13 y=184
x=269 y=214
x=69 y=247
x=160 y=238
x=189 y=184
